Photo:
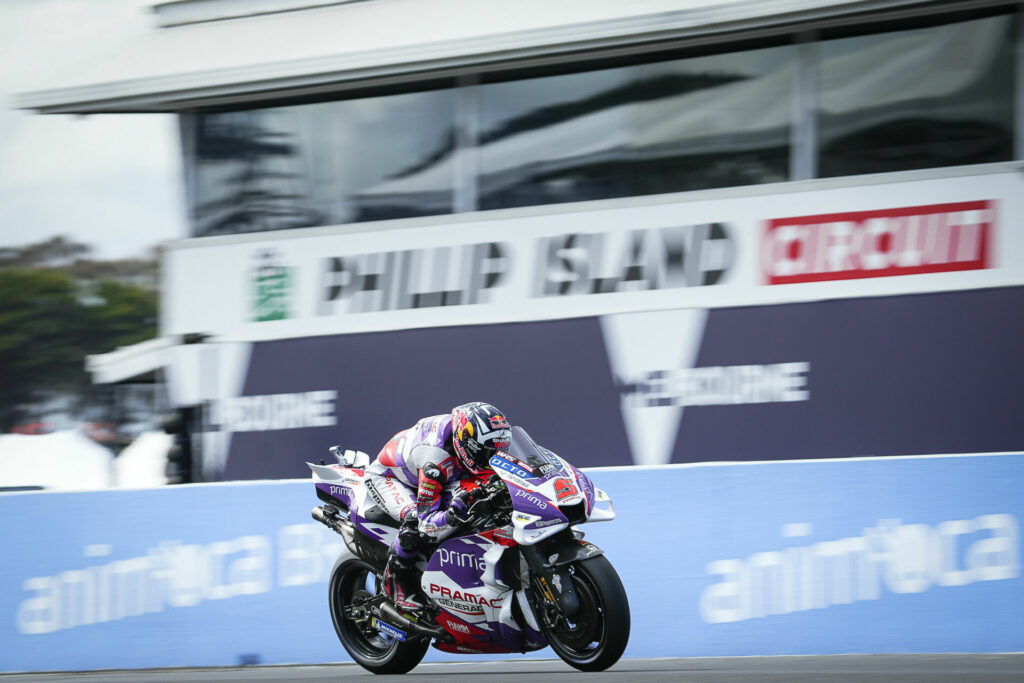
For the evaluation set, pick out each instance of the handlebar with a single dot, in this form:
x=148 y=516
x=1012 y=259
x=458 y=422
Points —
x=490 y=509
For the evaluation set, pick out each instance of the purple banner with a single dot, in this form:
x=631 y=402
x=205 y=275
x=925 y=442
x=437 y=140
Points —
x=911 y=374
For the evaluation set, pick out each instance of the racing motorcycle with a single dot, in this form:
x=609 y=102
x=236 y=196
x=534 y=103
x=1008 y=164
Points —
x=515 y=577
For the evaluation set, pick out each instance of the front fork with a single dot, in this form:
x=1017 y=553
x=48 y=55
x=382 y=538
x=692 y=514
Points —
x=552 y=581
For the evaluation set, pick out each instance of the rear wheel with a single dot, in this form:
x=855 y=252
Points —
x=597 y=636
x=352 y=584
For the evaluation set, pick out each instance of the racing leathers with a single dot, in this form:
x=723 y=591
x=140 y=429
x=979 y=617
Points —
x=408 y=480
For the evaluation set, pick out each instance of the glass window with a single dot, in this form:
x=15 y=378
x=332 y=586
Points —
x=678 y=125
x=716 y=121
x=322 y=164
x=556 y=138
x=938 y=96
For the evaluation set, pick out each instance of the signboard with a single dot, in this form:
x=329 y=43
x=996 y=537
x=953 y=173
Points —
x=928 y=373
x=917 y=554
x=705 y=250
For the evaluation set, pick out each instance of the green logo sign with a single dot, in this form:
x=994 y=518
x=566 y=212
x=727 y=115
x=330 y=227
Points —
x=271 y=288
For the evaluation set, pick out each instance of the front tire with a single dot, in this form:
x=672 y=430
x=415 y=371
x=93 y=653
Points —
x=351 y=582
x=597 y=637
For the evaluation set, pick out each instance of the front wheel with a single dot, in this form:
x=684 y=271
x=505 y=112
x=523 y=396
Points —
x=354 y=582
x=597 y=637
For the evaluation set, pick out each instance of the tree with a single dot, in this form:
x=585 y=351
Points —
x=48 y=326
x=38 y=347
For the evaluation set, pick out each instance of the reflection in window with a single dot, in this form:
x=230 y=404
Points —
x=556 y=139
x=719 y=121
x=679 y=125
x=320 y=164
x=938 y=96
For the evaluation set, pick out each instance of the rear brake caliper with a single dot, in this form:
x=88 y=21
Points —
x=358 y=611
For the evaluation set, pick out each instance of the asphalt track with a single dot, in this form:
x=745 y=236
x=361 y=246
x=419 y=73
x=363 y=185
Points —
x=995 y=668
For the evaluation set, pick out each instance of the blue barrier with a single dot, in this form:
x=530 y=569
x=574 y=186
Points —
x=804 y=557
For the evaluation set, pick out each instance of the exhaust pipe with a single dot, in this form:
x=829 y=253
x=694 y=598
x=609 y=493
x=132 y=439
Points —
x=393 y=617
x=332 y=523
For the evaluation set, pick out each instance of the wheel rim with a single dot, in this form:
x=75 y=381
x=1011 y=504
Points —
x=581 y=638
x=363 y=638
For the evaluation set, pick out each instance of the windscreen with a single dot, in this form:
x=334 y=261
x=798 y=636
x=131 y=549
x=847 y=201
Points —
x=526 y=450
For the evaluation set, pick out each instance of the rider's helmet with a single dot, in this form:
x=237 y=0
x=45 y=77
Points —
x=479 y=430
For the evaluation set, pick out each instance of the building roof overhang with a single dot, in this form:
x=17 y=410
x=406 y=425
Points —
x=319 y=49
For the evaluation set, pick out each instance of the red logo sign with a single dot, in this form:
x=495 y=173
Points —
x=861 y=244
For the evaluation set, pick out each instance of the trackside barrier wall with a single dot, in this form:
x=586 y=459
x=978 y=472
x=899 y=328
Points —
x=918 y=554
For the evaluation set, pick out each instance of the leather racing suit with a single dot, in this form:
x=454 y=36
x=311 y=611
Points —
x=407 y=480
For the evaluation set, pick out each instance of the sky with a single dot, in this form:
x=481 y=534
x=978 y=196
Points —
x=112 y=181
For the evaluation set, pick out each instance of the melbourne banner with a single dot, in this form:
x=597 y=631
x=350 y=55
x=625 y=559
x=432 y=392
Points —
x=915 y=554
x=928 y=373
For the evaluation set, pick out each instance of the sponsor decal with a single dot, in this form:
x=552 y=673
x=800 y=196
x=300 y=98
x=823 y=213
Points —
x=861 y=244
x=454 y=558
x=375 y=494
x=546 y=469
x=447 y=466
x=584 y=480
x=518 y=462
x=510 y=478
x=462 y=601
x=548 y=522
x=538 y=502
x=500 y=463
x=498 y=422
x=458 y=626
x=271 y=284
x=387 y=629
x=644 y=259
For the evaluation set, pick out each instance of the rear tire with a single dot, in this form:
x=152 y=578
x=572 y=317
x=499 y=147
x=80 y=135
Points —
x=597 y=637
x=371 y=650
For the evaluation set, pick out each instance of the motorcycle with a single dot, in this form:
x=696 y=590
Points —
x=515 y=577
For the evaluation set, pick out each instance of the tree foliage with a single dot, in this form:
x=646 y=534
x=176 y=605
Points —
x=50 y=321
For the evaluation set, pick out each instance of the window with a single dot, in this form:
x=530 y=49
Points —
x=679 y=125
x=716 y=121
x=322 y=164
x=941 y=95
x=938 y=96
x=557 y=138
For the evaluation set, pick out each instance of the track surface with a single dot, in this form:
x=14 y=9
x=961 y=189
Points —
x=996 y=668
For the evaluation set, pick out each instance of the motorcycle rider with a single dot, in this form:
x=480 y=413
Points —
x=426 y=457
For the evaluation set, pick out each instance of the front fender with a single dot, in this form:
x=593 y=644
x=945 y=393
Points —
x=573 y=552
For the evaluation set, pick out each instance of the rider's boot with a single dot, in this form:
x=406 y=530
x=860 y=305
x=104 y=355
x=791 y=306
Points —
x=402 y=576
x=402 y=583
